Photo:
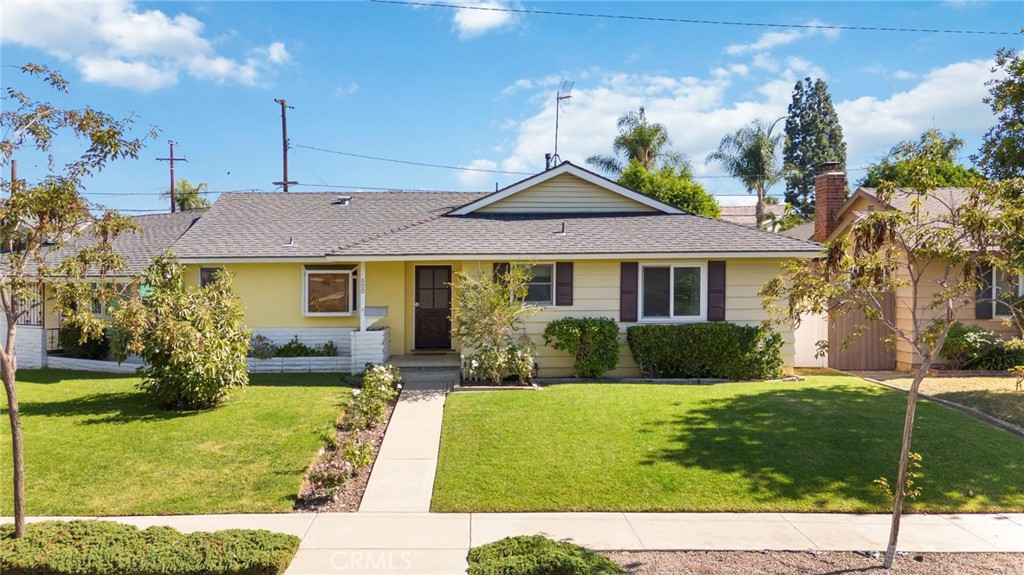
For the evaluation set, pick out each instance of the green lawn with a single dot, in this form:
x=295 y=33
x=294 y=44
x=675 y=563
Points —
x=95 y=445
x=803 y=446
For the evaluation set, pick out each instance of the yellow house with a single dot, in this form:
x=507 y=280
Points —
x=834 y=215
x=371 y=271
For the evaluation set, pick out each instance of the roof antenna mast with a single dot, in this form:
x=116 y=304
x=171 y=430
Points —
x=284 y=183
x=565 y=93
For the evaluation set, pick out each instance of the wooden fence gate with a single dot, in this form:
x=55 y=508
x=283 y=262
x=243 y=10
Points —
x=866 y=351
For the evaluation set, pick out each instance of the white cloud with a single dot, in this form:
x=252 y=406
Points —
x=481 y=16
x=120 y=44
x=699 y=111
x=904 y=75
x=770 y=40
x=803 y=67
x=477 y=179
x=765 y=62
x=949 y=98
x=346 y=90
x=518 y=85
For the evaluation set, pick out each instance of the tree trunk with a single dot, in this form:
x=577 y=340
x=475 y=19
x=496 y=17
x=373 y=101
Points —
x=901 y=479
x=759 y=209
x=7 y=372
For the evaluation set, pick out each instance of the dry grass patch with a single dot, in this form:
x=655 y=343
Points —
x=992 y=395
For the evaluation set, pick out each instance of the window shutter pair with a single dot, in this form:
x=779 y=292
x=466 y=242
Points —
x=629 y=291
x=563 y=280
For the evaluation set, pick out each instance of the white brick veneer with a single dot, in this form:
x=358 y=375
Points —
x=31 y=345
x=61 y=362
x=371 y=346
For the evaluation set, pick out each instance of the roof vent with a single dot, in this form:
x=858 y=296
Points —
x=342 y=201
x=561 y=232
x=290 y=244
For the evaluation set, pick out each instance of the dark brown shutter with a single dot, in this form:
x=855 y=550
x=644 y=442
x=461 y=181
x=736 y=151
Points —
x=628 y=291
x=983 y=299
x=716 y=291
x=500 y=269
x=563 y=283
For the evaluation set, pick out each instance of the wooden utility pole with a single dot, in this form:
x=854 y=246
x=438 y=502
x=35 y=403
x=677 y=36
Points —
x=172 y=159
x=284 y=183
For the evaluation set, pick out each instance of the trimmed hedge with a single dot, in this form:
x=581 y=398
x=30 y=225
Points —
x=102 y=547
x=710 y=350
x=537 y=555
x=592 y=341
x=70 y=339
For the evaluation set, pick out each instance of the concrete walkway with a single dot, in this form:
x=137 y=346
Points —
x=437 y=543
x=402 y=479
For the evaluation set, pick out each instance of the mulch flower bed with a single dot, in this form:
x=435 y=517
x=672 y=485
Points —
x=348 y=497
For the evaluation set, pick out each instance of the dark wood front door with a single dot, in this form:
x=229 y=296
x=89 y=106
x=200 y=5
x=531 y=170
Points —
x=433 y=307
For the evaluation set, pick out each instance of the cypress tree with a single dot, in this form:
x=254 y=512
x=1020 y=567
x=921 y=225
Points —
x=813 y=136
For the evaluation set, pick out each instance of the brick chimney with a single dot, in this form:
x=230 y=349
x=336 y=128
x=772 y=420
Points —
x=829 y=196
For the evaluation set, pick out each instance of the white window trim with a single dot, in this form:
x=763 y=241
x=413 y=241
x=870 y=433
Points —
x=305 y=294
x=554 y=285
x=703 y=266
x=995 y=302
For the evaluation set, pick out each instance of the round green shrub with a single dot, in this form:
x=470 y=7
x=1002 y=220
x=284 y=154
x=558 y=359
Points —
x=537 y=555
x=70 y=339
x=592 y=341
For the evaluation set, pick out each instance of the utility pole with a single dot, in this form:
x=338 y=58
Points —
x=284 y=183
x=172 y=159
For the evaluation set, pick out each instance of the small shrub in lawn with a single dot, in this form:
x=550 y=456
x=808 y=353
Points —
x=261 y=347
x=90 y=547
x=713 y=350
x=997 y=357
x=592 y=341
x=295 y=348
x=520 y=362
x=70 y=338
x=537 y=555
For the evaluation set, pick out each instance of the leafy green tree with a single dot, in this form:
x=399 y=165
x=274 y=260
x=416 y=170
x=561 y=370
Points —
x=42 y=222
x=931 y=257
x=647 y=143
x=1002 y=149
x=192 y=339
x=813 y=136
x=189 y=197
x=897 y=168
x=671 y=185
x=751 y=155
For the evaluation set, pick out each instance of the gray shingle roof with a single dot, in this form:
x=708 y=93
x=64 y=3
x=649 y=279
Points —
x=251 y=225
x=524 y=234
x=259 y=225
x=801 y=232
x=747 y=215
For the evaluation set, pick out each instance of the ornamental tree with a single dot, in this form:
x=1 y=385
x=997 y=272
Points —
x=929 y=255
x=813 y=137
x=192 y=339
x=48 y=230
x=1002 y=149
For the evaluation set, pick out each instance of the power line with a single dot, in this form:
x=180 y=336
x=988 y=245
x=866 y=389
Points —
x=378 y=188
x=411 y=163
x=692 y=21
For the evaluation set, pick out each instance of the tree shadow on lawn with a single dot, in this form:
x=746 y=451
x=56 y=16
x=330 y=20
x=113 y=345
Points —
x=1005 y=405
x=115 y=407
x=824 y=447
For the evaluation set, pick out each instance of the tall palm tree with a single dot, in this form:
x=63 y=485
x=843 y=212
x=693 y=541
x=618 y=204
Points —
x=751 y=154
x=189 y=197
x=638 y=140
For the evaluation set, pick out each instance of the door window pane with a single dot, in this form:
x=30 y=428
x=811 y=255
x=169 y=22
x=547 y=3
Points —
x=656 y=292
x=686 y=296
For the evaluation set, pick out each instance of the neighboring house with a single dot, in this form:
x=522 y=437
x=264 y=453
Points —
x=747 y=215
x=834 y=214
x=38 y=329
x=371 y=271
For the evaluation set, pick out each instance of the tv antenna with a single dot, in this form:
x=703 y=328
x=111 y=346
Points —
x=564 y=93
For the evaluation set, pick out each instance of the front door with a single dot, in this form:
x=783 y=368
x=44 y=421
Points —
x=433 y=307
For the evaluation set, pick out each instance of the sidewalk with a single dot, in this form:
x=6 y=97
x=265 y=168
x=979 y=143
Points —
x=436 y=543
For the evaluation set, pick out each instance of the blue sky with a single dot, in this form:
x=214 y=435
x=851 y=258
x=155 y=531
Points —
x=476 y=88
